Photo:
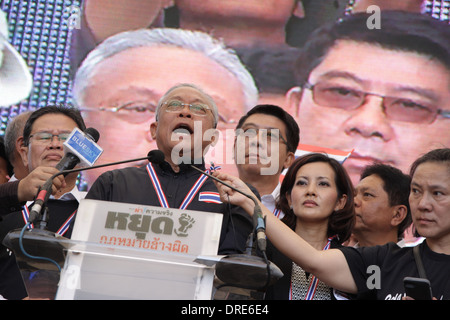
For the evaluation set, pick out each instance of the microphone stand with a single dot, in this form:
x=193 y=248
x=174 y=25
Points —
x=34 y=214
x=41 y=231
x=247 y=259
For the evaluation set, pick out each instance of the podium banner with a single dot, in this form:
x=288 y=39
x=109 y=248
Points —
x=133 y=251
x=148 y=227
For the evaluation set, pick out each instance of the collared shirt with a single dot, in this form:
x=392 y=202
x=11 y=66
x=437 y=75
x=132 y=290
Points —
x=269 y=201
x=73 y=194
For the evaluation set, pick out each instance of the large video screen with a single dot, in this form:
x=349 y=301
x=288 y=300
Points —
x=114 y=60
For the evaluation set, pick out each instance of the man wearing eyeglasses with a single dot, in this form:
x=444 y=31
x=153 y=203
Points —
x=383 y=92
x=181 y=109
x=266 y=140
x=43 y=136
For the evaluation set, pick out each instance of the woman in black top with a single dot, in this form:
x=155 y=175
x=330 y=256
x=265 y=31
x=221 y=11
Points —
x=378 y=272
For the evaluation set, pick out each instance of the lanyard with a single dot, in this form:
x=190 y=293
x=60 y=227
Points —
x=314 y=281
x=161 y=195
x=61 y=231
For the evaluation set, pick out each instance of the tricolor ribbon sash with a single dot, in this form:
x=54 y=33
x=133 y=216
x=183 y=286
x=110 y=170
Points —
x=61 y=231
x=190 y=195
x=314 y=281
x=211 y=197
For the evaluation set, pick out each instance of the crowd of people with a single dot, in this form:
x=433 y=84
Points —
x=383 y=92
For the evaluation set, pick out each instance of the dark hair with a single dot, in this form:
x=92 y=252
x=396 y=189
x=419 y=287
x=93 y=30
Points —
x=3 y=155
x=397 y=186
x=292 y=129
x=436 y=155
x=271 y=67
x=70 y=112
x=340 y=222
x=402 y=31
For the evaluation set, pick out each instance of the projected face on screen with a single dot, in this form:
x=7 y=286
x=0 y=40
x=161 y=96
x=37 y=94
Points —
x=137 y=78
x=385 y=106
x=240 y=24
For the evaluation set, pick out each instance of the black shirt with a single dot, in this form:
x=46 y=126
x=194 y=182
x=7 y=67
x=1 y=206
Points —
x=11 y=283
x=396 y=263
x=133 y=185
x=280 y=289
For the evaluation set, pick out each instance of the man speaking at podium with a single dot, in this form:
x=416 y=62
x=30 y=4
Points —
x=182 y=109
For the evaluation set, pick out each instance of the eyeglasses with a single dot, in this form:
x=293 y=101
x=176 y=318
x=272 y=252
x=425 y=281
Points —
x=198 y=109
x=395 y=108
x=47 y=137
x=269 y=135
x=132 y=112
x=141 y=111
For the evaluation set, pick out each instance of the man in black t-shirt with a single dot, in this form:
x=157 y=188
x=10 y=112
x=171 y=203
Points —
x=377 y=272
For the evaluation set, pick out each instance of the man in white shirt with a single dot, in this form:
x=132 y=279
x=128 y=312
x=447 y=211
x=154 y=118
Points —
x=266 y=140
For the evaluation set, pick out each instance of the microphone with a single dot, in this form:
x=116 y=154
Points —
x=154 y=156
x=52 y=252
x=252 y=270
x=258 y=220
x=80 y=147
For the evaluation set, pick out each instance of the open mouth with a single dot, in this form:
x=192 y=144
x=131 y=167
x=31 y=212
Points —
x=183 y=128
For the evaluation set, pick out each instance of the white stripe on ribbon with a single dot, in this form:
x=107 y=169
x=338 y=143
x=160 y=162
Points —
x=211 y=197
x=61 y=231
x=157 y=186
x=160 y=193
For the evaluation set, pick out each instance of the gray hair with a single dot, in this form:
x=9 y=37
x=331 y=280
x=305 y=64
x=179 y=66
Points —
x=192 y=40
x=211 y=102
x=14 y=130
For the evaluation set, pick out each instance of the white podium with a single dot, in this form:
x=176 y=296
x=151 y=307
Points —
x=125 y=251
x=139 y=252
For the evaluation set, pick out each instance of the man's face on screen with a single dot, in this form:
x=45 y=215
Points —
x=135 y=80
x=381 y=103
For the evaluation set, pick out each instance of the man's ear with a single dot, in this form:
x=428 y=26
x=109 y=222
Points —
x=399 y=215
x=153 y=127
x=289 y=159
x=213 y=136
x=293 y=98
x=23 y=151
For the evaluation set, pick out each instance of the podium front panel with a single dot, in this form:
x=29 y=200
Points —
x=139 y=252
x=151 y=228
x=105 y=272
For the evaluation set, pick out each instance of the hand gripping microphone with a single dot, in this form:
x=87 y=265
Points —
x=154 y=156
x=258 y=220
x=80 y=147
x=52 y=252
x=246 y=270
